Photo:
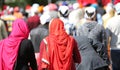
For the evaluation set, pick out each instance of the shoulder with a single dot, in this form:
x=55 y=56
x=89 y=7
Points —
x=26 y=41
x=111 y=21
x=26 y=44
x=72 y=39
x=99 y=26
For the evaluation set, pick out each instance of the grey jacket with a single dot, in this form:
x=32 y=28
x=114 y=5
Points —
x=3 y=31
x=96 y=33
x=37 y=35
x=90 y=60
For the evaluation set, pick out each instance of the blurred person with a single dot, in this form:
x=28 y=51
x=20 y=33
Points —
x=17 y=51
x=98 y=16
x=25 y=15
x=3 y=30
x=63 y=13
x=115 y=1
x=58 y=51
x=17 y=12
x=76 y=6
x=52 y=6
x=34 y=10
x=100 y=8
x=113 y=36
x=38 y=33
x=109 y=14
x=8 y=19
x=76 y=19
x=96 y=33
x=40 y=10
x=34 y=33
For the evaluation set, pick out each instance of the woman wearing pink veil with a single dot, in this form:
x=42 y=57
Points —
x=18 y=46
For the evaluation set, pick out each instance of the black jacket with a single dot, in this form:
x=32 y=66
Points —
x=26 y=56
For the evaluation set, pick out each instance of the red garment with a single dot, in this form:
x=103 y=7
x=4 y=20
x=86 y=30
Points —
x=85 y=2
x=9 y=46
x=116 y=1
x=59 y=51
x=33 y=21
x=105 y=2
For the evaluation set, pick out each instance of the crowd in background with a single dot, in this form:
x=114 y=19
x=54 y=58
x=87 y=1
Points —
x=94 y=28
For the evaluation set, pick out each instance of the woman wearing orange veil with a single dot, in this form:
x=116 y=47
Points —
x=58 y=51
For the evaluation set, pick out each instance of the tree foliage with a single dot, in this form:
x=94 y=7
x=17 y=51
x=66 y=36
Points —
x=23 y=3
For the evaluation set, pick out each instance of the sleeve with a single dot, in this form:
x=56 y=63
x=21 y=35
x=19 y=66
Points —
x=44 y=59
x=76 y=54
x=4 y=31
x=104 y=45
x=108 y=36
x=107 y=47
x=108 y=29
x=33 y=63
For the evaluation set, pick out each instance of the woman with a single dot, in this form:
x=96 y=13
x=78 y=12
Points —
x=10 y=48
x=58 y=51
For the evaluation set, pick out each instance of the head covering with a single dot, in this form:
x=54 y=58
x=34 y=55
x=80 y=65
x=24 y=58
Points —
x=27 y=8
x=52 y=6
x=57 y=27
x=116 y=1
x=33 y=21
x=45 y=18
x=117 y=7
x=90 y=12
x=76 y=6
x=34 y=9
x=109 y=8
x=17 y=12
x=64 y=11
x=9 y=46
x=40 y=9
x=86 y=2
x=75 y=16
x=16 y=9
x=60 y=46
x=64 y=3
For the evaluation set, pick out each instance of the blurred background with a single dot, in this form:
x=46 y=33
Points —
x=23 y=3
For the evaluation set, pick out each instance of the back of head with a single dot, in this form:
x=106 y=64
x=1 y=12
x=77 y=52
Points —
x=56 y=26
x=90 y=12
x=33 y=21
x=16 y=9
x=63 y=11
x=45 y=18
x=19 y=29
